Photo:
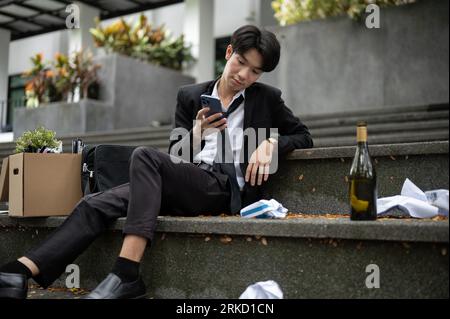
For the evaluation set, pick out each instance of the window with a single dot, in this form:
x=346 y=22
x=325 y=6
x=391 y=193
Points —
x=16 y=98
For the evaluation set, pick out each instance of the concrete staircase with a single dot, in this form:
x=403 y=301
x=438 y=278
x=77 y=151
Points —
x=386 y=126
x=318 y=256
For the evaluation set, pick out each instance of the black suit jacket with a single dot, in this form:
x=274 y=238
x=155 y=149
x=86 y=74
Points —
x=263 y=109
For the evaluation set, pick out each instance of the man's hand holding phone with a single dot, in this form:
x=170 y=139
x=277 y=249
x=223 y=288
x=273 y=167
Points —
x=209 y=117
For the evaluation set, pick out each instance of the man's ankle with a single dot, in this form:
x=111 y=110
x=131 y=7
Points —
x=30 y=265
x=127 y=270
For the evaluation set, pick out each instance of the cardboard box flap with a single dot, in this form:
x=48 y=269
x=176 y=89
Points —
x=15 y=203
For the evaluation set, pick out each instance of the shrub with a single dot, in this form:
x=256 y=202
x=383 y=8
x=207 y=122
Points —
x=294 y=11
x=57 y=80
x=142 y=41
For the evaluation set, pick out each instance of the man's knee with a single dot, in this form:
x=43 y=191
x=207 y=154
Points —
x=97 y=210
x=144 y=152
x=83 y=204
x=116 y=197
x=142 y=155
x=82 y=208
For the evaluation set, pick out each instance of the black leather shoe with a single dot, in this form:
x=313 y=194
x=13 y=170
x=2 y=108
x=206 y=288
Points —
x=113 y=288
x=13 y=285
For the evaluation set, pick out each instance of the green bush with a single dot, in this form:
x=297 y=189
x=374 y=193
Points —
x=57 y=80
x=143 y=41
x=294 y=11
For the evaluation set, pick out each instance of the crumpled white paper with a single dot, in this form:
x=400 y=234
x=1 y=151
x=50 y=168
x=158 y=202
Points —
x=263 y=290
x=415 y=202
x=264 y=209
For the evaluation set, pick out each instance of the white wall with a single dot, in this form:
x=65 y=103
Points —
x=21 y=50
x=171 y=16
x=228 y=15
x=231 y=14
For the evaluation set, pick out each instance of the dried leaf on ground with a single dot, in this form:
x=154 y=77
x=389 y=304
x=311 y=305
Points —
x=226 y=239
x=264 y=241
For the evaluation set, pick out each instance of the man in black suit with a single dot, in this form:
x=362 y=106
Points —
x=200 y=175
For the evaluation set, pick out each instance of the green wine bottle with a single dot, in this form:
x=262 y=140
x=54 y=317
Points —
x=363 y=180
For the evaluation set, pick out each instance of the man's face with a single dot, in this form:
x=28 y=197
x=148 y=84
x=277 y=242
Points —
x=241 y=71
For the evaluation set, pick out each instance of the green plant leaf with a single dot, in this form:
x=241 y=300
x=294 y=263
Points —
x=31 y=141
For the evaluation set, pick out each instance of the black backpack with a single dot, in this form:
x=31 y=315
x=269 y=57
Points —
x=104 y=167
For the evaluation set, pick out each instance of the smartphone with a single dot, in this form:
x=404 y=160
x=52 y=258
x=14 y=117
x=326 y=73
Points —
x=213 y=103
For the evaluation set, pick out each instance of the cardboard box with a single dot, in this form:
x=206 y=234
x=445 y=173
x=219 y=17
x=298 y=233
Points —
x=44 y=184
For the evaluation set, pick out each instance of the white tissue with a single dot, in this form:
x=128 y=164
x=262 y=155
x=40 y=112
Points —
x=415 y=202
x=439 y=198
x=263 y=290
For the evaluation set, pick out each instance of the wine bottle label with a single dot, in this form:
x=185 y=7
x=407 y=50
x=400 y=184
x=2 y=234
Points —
x=361 y=134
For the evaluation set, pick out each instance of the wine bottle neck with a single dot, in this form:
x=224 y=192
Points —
x=361 y=134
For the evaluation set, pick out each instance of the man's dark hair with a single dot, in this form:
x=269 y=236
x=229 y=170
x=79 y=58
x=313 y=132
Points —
x=265 y=42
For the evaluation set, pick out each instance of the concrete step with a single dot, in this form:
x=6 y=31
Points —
x=375 y=119
x=218 y=257
x=387 y=138
x=391 y=128
x=344 y=137
x=367 y=112
x=315 y=181
x=395 y=125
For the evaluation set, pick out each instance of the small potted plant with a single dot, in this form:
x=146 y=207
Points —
x=40 y=140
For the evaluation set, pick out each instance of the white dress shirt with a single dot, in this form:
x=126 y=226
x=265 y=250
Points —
x=235 y=126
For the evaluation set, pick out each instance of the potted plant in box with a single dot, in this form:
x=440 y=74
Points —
x=37 y=141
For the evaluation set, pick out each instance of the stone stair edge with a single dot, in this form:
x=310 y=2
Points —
x=380 y=128
x=420 y=148
x=385 y=229
x=309 y=117
x=433 y=107
x=398 y=149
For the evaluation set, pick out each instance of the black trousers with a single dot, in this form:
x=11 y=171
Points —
x=157 y=186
